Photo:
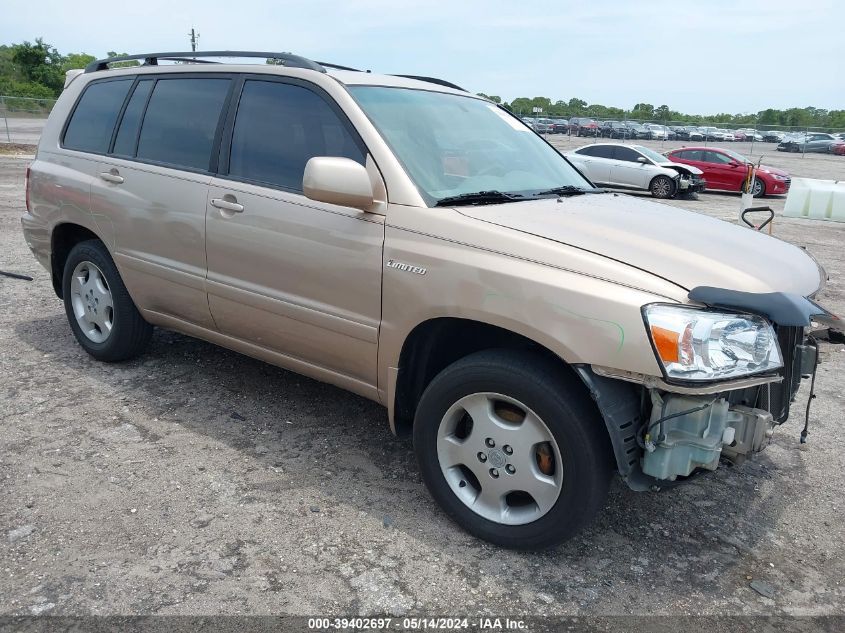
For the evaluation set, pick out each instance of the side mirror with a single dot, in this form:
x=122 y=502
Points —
x=339 y=181
x=642 y=159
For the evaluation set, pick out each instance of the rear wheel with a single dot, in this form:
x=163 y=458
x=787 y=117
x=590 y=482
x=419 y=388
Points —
x=100 y=311
x=662 y=187
x=512 y=448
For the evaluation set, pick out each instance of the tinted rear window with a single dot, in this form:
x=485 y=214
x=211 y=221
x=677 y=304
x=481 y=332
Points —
x=599 y=151
x=279 y=127
x=127 y=133
x=181 y=121
x=93 y=120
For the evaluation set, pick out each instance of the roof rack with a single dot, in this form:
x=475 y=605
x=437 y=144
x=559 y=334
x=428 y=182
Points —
x=201 y=57
x=433 y=80
x=339 y=67
x=152 y=59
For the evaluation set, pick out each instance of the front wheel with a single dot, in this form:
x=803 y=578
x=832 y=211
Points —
x=100 y=311
x=662 y=187
x=758 y=190
x=512 y=448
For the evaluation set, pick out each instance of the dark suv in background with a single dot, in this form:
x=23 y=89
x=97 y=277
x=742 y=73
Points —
x=583 y=126
x=615 y=129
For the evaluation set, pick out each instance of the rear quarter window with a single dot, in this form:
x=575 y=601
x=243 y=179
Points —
x=92 y=122
x=127 y=133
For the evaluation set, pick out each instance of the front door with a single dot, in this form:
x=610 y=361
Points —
x=286 y=273
x=723 y=172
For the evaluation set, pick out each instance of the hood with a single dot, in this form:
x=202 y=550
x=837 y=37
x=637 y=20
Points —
x=766 y=169
x=681 y=167
x=686 y=248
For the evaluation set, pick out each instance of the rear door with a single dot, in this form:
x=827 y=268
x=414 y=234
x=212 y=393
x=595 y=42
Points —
x=150 y=192
x=288 y=274
x=595 y=162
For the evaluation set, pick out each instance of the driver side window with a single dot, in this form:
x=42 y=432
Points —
x=279 y=127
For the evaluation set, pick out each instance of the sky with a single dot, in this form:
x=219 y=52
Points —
x=702 y=57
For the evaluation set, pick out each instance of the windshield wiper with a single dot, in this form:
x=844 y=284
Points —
x=567 y=190
x=478 y=197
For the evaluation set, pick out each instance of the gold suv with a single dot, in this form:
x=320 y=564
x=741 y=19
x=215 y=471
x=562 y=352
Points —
x=422 y=247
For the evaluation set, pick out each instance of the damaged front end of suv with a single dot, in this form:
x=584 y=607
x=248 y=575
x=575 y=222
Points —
x=732 y=365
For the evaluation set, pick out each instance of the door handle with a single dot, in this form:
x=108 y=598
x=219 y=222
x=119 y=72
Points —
x=112 y=176
x=226 y=205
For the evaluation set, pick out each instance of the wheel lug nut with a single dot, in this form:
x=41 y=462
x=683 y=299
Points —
x=494 y=473
x=482 y=457
x=489 y=441
x=511 y=470
x=508 y=450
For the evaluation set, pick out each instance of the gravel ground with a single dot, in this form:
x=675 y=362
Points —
x=197 y=481
x=25 y=130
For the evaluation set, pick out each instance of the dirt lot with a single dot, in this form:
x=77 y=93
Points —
x=198 y=481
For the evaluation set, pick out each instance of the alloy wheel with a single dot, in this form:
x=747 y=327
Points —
x=92 y=302
x=499 y=458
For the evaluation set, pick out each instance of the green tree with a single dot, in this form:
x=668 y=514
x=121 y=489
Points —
x=493 y=98
x=130 y=62
x=39 y=63
x=643 y=111
x=76 y=60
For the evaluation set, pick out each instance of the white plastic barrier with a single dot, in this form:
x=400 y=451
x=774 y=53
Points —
x=816 y=199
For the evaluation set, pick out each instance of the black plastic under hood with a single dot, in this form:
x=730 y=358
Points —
x=783 y=308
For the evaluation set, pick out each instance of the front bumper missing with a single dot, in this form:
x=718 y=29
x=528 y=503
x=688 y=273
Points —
x=663 y=433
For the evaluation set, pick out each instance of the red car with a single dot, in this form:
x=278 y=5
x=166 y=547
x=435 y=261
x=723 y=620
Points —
x=725 y=169
x=838 y=149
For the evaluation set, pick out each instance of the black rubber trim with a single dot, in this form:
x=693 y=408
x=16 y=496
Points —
x=783 y=308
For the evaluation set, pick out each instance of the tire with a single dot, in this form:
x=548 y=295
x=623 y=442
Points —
x=90 y=281
x=540 y=390
x=662 y=187
x=758 y=189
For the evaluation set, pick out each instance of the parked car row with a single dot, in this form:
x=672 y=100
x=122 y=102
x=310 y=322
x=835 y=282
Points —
x=586 y=126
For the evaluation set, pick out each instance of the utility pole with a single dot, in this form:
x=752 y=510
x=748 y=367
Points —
x=194 y=37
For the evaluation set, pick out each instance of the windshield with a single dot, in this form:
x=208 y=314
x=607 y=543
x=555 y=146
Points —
x=736 y=156
x=452 y=145
x=651 y=154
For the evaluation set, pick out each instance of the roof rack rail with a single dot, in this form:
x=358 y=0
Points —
x=433 y=80
x=339 y=67
x=152 y=59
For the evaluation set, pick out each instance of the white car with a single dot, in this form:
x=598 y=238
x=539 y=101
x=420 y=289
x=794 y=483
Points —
x=636 y=167
x=656 y=132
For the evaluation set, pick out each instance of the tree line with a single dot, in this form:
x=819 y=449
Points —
x=38 y=70
x=792 y=117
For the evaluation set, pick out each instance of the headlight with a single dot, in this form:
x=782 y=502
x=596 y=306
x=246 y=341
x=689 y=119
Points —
x=779 y=177
x=701 y=345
